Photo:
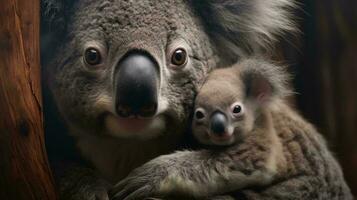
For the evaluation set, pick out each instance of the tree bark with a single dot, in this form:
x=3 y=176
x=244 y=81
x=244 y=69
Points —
x=24 y=169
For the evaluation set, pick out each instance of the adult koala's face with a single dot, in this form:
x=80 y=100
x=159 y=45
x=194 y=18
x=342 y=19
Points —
x=131 y=69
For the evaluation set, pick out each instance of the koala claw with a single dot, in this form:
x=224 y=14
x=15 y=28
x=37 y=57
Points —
x=132 y=189
x=143 y=182
x=129 y=193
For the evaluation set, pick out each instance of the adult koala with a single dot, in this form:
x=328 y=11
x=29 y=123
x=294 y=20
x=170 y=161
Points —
x=124 y=74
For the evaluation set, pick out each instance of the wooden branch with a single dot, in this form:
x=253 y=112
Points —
x=24 y=169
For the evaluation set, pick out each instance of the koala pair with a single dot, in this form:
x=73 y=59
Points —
x=233 y=111
x=124 y=75
x=248 y=142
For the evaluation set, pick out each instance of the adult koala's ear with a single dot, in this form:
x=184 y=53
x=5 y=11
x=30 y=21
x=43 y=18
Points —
x=249 y=24
x=263 y=81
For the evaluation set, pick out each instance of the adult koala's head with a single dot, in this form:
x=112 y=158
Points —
x=131 y=68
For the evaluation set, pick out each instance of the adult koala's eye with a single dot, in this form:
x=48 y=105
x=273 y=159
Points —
x=179 y=57
x=92 y=56
x=237 y=109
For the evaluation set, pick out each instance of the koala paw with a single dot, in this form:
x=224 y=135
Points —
x=133 y=188
x=142 y=183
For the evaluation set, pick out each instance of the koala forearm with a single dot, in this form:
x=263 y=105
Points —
x=205 y=173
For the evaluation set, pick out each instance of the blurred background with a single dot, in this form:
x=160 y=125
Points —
x=323 y=60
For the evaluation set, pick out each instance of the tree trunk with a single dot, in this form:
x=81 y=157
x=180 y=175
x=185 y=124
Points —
x=24 y=169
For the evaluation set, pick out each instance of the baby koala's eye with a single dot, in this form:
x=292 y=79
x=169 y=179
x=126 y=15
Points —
x=237 y=109
x=199 y=114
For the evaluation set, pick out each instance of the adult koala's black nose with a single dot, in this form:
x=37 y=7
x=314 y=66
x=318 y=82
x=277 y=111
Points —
x=219 y=123
x=137 y=79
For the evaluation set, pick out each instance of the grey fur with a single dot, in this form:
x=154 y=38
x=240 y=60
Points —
x=251 y=25
x=282 y=155
x=83 y=183
x=85 y=95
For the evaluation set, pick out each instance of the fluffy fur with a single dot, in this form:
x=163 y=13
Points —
x=251 y=25
x=280 y=157
x=253 y=85
x=85 y=95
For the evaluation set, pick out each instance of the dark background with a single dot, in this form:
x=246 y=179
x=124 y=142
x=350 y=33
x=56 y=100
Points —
x=323 y=60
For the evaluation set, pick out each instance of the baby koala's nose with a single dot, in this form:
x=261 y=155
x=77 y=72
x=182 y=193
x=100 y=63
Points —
x=219 y=123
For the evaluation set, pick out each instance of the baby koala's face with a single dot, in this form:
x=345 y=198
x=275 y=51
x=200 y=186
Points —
x=222 y=114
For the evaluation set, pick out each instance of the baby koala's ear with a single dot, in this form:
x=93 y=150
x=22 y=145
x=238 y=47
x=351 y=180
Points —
x=263 y=81
x=258 y=87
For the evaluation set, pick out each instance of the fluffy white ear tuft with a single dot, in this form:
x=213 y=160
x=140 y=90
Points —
x=250 y=24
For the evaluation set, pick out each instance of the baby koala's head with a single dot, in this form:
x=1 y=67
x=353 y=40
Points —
x=231 y=100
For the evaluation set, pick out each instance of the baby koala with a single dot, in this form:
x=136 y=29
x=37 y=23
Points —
x=233 y=111
x=234 y=103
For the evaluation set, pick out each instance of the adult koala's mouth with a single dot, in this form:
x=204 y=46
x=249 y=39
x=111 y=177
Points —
x=138 y=128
